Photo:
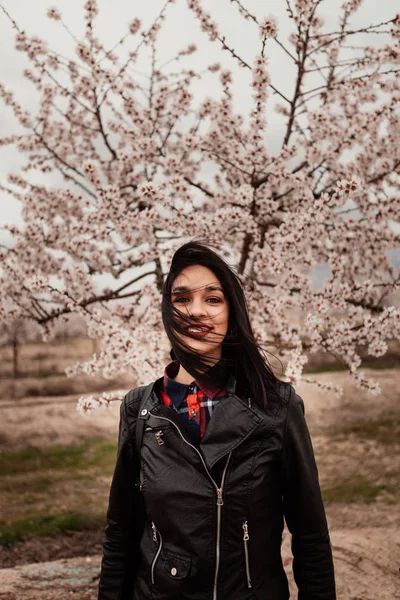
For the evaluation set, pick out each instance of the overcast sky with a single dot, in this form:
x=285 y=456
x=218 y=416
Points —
x=179 y=29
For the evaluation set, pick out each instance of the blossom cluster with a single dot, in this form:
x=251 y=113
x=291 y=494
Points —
x=269 y=27
x=129 y=181
x=88 y=404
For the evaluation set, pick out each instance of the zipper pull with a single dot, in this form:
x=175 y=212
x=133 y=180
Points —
x=246 y=531
x=220 y=502
x=159 y=434
x=154 y=528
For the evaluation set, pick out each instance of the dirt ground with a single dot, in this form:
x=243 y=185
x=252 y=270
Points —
x=365 y=565
x=364 y=531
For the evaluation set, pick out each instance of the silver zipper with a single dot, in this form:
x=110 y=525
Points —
x=220 y=501
x=153 y=564
x=159 y=439
x=246 y=538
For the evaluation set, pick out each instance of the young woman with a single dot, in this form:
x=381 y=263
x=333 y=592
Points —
x=224 y=458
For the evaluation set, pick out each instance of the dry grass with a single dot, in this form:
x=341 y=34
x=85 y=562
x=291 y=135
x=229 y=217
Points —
x=52 y=490
x=59 y=385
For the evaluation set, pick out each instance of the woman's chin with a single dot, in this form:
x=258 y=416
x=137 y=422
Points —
x=202 y=345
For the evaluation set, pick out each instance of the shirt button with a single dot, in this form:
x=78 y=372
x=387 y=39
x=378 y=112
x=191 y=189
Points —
x=173 y=571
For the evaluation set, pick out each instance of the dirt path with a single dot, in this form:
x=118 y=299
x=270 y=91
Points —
x=47 y=421
x=367 y=568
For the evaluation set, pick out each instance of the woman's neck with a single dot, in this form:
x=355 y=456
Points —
x=184 y=377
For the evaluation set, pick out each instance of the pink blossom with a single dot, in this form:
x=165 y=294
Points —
x=134 y=26
x=269 y=27
x=54 y=13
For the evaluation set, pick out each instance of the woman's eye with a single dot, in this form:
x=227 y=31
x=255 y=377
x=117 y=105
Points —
x=180 y=300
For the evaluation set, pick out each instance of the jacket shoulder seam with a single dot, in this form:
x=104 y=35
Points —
x=134 y=395
x=287 y=390
x=289 y=393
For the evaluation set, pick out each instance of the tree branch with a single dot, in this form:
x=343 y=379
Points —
x=199 y=186
x=113 y=295
x=100 y=122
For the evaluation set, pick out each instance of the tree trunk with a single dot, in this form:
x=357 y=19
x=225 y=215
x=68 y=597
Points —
x=15 y=356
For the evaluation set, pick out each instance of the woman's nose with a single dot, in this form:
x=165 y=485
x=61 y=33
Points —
x=197 y=308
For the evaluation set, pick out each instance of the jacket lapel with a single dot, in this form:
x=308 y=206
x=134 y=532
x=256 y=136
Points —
x=231 y=423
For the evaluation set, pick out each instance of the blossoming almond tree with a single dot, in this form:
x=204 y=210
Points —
x=135 y=160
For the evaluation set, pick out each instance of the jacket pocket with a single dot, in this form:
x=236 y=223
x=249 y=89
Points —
x=157 y=538
x=176 y=566
x=168 y=567
x=246 y=538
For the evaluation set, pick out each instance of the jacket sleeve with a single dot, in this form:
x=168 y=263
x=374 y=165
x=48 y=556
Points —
x=304 y=511
x=125 y=517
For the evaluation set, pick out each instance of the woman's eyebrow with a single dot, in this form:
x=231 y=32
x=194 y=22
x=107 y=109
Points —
x=208 y=288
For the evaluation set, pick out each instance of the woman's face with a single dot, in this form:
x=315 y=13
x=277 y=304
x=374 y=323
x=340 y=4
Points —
x=208 y=306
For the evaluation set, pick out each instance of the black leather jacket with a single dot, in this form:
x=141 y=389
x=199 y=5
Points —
x=208 y=525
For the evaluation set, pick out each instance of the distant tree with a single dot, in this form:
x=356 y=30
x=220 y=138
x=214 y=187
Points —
x=136 y=161
x=14 y=333
x=72 y=326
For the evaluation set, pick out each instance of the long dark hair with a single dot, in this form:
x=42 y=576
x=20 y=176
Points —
x=241 y=354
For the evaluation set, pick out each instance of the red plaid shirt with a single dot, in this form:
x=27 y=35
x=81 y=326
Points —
x=193 y=403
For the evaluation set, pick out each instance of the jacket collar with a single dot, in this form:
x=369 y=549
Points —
x=178 y=390
x=153 y=389
x=232 y=422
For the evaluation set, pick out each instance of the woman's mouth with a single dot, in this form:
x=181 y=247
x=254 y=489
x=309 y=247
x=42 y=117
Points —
x=198 y=331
